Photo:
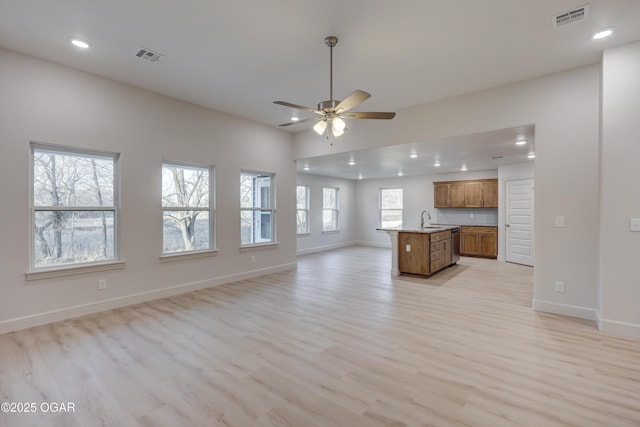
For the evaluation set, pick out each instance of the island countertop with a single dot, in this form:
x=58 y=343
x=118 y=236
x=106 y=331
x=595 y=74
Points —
x=426 y=229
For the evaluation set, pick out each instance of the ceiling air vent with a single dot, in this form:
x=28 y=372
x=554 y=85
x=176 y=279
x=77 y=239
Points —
x=149 y=55
x=571 y=16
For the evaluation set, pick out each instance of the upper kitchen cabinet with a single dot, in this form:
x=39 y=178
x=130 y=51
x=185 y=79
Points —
x=481 y=193
x=473 y=194
x=448 y=194
x=490 y=194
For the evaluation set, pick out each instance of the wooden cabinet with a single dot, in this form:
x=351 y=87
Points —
x=473 y=194
x=424 y=253
x=413 y=253
x=490 y=194
x=480 y=241
x=456 y=195
x=482 y=193
x=440 y=195
x=448 y=195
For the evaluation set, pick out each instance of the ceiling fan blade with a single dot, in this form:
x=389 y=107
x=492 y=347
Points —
x=301 y=121
x=368 y=115
x=299 y=107
x=352 y=100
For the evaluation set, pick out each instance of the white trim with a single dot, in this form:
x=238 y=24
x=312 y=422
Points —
x=73 y=270
x=620 y=328
x=374 y=244
x=257 y=246
x=325 y=248
x=37 y=319
x=183 y=256
x=565 y=309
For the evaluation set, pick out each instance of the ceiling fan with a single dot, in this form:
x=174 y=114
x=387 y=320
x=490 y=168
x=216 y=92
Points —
x=330 y=114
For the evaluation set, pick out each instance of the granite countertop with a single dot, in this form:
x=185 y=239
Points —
x=433 y=228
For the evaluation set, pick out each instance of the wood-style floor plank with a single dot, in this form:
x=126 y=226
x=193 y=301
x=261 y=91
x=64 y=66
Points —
x=337 y=342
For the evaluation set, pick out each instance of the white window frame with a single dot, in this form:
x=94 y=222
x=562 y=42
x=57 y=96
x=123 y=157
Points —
x=382 y=208
x=335 y=209
x=305 y=209
x=77 y=267
x=186 y=254
x=271 y=209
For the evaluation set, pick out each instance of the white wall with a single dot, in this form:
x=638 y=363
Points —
x=564 y=108
x=45 y=102
x=417 y=196
x=505 y=173
x=318 y=240
x=620 y=248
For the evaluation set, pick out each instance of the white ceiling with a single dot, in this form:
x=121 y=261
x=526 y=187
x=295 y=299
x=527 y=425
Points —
x=484 y=151
x=239 y=56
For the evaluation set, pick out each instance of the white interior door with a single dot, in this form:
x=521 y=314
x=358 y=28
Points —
x=519 y=221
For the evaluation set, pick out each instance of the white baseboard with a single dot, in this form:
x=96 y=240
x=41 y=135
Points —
x=374 y=244
x=37 y=319
x=615 y=327
x=324 y=248
x=565 y=309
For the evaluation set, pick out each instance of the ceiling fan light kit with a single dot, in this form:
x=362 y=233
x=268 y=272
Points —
x=331 y=113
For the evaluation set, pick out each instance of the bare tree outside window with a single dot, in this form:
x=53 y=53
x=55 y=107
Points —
x=74 y=206
x=391 y=207
x=302 y=205
x=187 y=208
x=330 y=209
x=257 y=210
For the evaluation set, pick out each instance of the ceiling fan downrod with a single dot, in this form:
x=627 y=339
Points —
x=331 y=41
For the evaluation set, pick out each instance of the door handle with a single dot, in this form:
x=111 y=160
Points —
x=507 y=225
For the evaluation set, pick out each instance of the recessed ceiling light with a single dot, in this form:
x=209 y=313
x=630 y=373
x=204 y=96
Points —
x=413 y=155
x=436 y=164
x=602 y=34
x=400 y=173
x=80 y=43
x=295 y=119
x=352 y=162
x=306 y=167
x=360 y=176
x=532 y=155
x=521 y=142
x=463 y=168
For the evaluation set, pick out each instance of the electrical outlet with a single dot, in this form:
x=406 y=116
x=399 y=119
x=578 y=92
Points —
x=102 y=284
x=253 y=259
x=634 y=224
x=471 y=215
x=559 y=221
x=407 y=248
x=559 y=286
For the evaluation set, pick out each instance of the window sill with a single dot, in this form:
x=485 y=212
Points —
x=188 y=256
x=303 y=234
x=72 y=271
x=257 y=246
x=330 y=231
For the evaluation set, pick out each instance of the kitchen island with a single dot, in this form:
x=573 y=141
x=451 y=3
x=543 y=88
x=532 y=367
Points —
x=423 y=250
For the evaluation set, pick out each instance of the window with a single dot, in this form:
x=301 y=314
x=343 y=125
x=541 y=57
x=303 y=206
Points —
x=302 y=201
x=390 y=207
x=257 y=213
x=330 y=206
x=74 y=206
x=187 y=208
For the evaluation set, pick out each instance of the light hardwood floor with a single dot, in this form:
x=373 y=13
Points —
x=337 y=342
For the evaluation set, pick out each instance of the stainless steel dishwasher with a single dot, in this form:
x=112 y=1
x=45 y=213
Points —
x=455 y=245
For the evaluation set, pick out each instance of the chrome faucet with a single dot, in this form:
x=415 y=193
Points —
x=422 y=218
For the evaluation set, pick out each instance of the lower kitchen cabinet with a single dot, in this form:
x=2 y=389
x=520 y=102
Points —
x=480 y=241
x=424 y=253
